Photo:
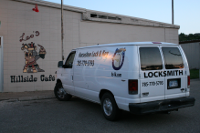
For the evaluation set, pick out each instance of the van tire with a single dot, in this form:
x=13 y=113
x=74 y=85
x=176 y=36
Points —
x=60 y=93
x=109 y=107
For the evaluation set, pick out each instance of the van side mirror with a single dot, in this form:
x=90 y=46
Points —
x=60 y=64
x=68 y=65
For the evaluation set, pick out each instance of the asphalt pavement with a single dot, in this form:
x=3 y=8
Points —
x=38 y=114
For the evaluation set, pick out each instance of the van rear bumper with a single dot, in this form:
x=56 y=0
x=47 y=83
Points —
x=162 y=105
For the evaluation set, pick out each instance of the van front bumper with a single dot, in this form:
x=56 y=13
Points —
x=161 y=106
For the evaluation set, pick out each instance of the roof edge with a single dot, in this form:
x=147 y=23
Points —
x=54 y=5
x=110 y=17
x=123 y=19
x=189 y=41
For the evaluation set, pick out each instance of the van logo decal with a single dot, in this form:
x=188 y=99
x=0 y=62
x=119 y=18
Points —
x=118 y=58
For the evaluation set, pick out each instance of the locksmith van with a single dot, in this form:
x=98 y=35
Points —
x=140 y=77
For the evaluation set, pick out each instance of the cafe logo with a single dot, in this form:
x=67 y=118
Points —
x=118 y=58
x=31 y=57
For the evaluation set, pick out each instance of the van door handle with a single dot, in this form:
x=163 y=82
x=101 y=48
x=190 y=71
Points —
x=145 y=93
x=182 y=89
x=72 y=77
x=123 y=80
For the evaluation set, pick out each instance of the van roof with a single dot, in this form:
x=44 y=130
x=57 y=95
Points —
x=129 y=44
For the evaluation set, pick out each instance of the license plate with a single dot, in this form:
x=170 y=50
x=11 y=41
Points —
x=173 y=83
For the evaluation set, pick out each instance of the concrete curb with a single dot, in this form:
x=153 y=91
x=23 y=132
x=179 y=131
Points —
x=35 y=98
x=27 y=98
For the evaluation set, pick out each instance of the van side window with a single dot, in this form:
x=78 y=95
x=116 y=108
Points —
x=70 y=60
x=150 y=58
x=173 y=58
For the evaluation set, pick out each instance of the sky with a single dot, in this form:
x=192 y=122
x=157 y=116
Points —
x=186 y=12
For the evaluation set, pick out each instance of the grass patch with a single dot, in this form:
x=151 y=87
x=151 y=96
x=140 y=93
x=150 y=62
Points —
x=194 y=73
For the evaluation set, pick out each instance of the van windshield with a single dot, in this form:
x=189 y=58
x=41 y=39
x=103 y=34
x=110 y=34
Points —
x=173 y=58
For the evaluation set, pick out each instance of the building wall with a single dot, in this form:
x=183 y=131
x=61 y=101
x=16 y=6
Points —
x=171 y=35
x=96 y=32
x=21 y=25
x=192 y=51
x=17 y=18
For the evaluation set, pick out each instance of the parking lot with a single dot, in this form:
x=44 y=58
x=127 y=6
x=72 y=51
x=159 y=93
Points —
x=77 y=115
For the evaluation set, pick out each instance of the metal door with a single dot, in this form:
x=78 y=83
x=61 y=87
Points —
x=1 y=64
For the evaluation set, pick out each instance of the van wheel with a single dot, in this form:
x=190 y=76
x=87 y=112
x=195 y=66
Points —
x=60 y=93
x=109 y=107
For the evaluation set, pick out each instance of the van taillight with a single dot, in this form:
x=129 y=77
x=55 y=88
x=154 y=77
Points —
x=133 y=86
x=188 y=81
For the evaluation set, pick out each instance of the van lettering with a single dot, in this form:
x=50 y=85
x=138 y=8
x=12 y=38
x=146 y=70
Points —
x=160 y=74
x=99 y=53
x=150 y=74
x=163 y=73
x=155 y=74
x=176 y=72
x=114 y=74
x=94 y=54
x=180 y=72
x=169 y=73
x=145 y=75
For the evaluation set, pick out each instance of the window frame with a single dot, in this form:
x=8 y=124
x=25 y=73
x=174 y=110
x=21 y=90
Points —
x=164 y=56
x=70 y=66
x=161 y=57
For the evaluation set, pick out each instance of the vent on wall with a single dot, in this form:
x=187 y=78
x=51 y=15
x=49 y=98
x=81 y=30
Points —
x=104 y=17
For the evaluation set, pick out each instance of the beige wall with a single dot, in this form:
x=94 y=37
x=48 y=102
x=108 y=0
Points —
x=171 y=35
x=18 y=18
x=94 y=32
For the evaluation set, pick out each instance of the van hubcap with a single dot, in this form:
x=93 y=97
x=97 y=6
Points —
x=61 y=93
x=107 y=107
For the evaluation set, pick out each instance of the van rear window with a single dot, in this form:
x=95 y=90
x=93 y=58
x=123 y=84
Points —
x=150 y=58
x=173 y=58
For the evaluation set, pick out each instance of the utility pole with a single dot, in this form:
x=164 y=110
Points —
x=173 y=12
x=62 y=34
x=199 y=60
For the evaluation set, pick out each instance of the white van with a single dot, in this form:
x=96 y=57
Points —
x=140 y=77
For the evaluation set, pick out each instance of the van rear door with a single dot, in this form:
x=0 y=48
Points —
x=176 y=78
x=151 y=80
